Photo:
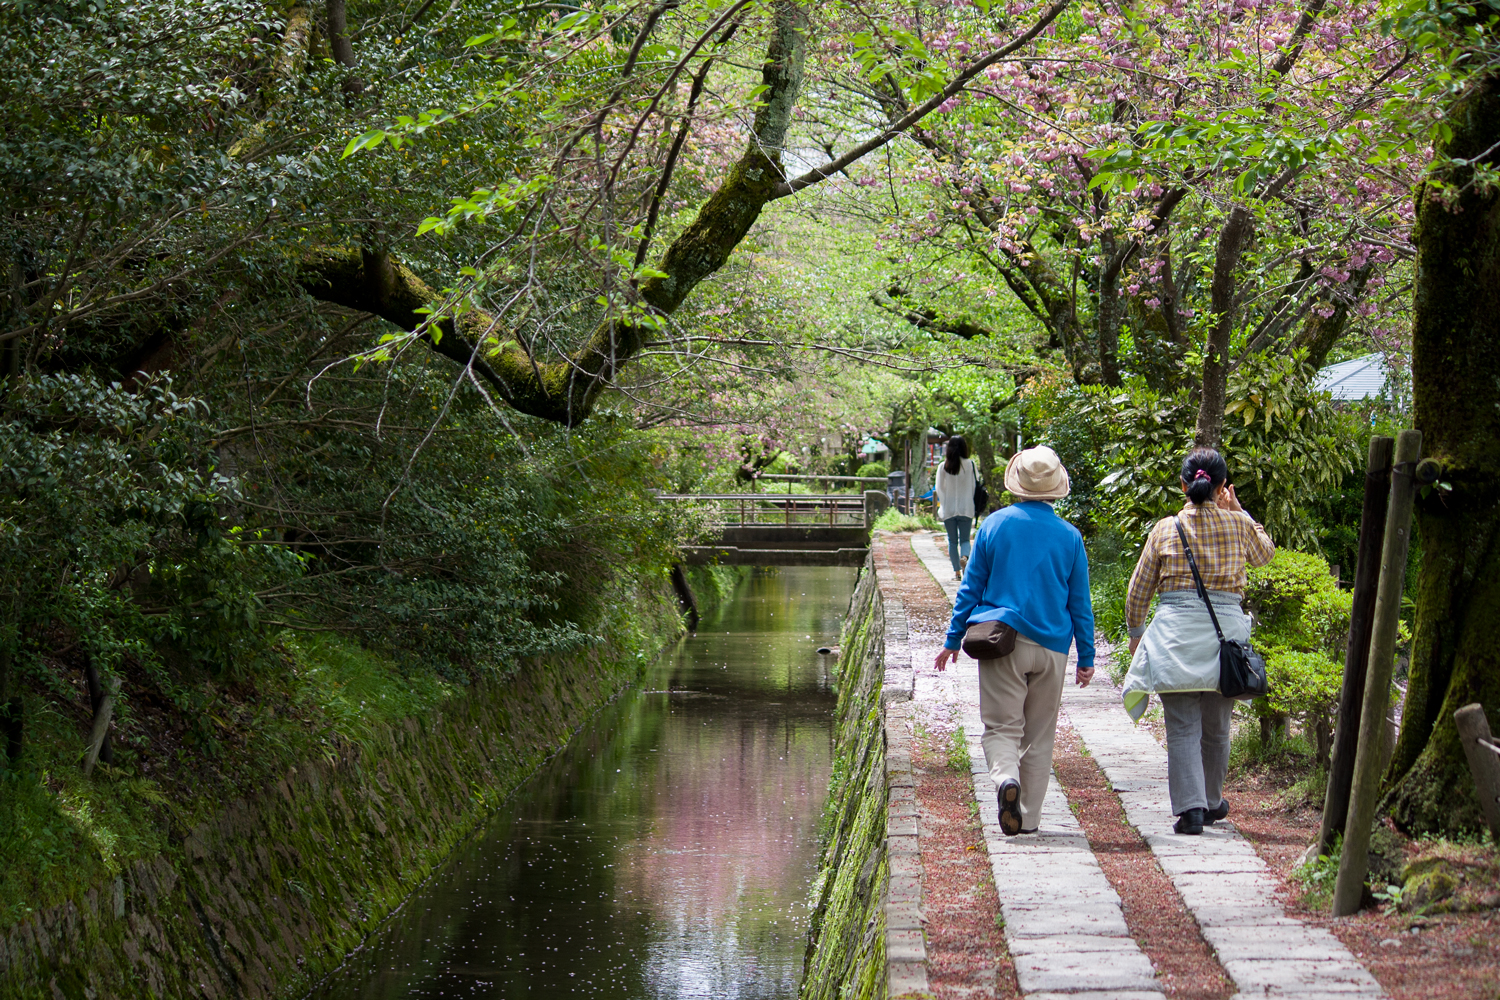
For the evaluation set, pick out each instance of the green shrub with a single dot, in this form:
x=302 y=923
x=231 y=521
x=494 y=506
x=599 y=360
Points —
x=1298 y=604
x=1305 y=686
x=1302 y=625
x=784 y=464
x=1111 y=561
x=873 y=470
x=1285 y=444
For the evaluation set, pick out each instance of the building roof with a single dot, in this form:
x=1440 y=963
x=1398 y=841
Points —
x=1356 y=379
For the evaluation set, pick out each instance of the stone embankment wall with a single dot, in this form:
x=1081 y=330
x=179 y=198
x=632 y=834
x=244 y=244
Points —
x=273 y=893
x=852 y=899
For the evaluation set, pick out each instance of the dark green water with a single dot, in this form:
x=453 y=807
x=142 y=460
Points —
x=667 y=852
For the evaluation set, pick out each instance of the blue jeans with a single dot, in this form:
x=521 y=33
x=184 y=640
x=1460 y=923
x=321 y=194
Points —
x=958 y=539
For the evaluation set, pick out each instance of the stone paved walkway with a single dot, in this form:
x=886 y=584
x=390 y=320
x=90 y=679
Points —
x=1063 y=922
x=1223 y=882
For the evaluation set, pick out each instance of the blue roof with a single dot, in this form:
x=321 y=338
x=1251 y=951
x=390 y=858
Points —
x=1359 y=378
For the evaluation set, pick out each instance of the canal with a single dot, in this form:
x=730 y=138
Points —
x=667 y=851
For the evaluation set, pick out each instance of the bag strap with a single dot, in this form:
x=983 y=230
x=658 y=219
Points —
x=1202 y=590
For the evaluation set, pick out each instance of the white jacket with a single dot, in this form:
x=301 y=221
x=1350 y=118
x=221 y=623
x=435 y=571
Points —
x=955 y=492
x=1180 y=650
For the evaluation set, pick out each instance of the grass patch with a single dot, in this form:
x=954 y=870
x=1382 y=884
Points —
x=1291 y=757
x=1317 y=877
x=892 y=519
x=958 y=752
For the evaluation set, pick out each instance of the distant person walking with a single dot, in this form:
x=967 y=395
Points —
x=1028 y=576
x=956 y=479
x=1177 y=655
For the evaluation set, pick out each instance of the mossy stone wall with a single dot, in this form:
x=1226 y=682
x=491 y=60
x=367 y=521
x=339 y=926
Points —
x=270 y=895
x=846 y=955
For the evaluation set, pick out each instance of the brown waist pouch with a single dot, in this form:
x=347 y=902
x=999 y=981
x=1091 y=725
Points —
x=989 y=640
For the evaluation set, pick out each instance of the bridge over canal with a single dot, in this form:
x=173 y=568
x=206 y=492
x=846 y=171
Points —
x=783 y=528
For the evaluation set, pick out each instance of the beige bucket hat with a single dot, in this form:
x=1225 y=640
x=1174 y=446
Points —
x=1036 y=474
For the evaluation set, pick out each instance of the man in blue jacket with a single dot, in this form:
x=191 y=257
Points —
x=1028 y=570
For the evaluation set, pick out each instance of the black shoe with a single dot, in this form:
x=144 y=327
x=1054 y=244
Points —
x=1190 y=823
x=1010 y=807
x=1218 y=812
x=1032 y=830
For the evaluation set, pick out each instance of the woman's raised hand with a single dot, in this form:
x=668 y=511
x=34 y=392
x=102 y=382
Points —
x=1226 y=498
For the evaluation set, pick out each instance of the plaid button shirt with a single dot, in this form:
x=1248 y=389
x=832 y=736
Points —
x=1223 y=542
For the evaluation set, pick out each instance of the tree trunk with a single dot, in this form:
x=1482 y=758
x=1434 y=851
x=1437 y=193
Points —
x=12 y=709
x=97 y=694
x=1232 y=240
x=341 y=47
x=1110 y=312
x=1455 y=654
x=1319 y=333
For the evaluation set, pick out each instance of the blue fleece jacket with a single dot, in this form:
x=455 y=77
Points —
x=1028 y=570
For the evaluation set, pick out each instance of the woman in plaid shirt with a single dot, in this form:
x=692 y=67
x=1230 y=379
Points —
x=1177 y=655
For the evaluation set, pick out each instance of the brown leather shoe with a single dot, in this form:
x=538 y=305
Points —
x=1009 y=796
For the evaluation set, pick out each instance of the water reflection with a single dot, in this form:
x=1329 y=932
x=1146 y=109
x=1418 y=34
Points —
x=667 y=852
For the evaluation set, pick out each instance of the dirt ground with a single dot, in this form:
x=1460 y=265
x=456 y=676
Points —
x=1443 y=957
x=966 y=954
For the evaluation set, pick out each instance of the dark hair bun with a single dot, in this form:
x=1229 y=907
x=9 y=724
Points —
x=1203 y=472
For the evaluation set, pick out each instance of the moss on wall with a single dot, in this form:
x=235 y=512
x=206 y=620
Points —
x=714 y=586
x=846 y=937
x=269 y=895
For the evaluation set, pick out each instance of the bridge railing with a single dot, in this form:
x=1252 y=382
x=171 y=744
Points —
x=771 y=479
x=767 y=510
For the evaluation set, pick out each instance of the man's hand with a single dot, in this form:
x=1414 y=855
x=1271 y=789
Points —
x=1083 y=676
x=1135 y=641
x=944 y=657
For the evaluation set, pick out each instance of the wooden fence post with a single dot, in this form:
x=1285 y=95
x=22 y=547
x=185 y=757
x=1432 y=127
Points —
x=1354 y=862
x=1357 y=652
x=1484 y=761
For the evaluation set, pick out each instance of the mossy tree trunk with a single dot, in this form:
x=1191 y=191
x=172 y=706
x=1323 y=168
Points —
x=565 y=390
x=1456 y=384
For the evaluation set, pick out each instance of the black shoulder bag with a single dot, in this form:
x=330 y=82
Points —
x=981 y=495
x=1242 y=672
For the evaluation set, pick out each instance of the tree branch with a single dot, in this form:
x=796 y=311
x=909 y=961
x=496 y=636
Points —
x=565 y=390
x=914 y=116
x=925 y=319
x=1288 y=58
x=1232 y=241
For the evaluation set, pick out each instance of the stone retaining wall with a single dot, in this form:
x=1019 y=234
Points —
x=269 y=896
x=858 y=927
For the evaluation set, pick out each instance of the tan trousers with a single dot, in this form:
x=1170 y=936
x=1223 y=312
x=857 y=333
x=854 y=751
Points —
x=1019 y=696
